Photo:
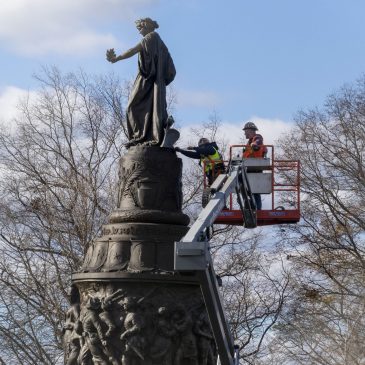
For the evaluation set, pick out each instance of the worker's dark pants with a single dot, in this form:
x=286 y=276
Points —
x=218 y=169
x=258 y=201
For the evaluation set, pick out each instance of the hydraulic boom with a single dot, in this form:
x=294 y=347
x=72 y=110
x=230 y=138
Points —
x=192 y=253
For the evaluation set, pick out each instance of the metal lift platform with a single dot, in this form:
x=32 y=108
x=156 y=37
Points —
x=277 y=177
x=192 y=253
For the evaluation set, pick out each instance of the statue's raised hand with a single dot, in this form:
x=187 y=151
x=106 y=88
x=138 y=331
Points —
x=111 y=56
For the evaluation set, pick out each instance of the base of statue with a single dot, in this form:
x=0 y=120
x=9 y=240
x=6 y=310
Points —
x=133 y=308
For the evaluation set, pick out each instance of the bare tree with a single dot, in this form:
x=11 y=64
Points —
x=59 y=171
x=255 y=290
x=325 y=322
x=58 y=168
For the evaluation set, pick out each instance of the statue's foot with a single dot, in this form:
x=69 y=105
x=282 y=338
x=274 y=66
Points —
x=135 y=142
x=130 y=143
x=150 y=143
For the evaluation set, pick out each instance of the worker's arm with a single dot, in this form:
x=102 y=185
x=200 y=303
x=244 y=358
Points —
x=112 y=57
x=191 y=154
x=257 y=141
x=205 y=150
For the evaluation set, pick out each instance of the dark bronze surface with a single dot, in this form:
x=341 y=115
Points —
x=133 y=309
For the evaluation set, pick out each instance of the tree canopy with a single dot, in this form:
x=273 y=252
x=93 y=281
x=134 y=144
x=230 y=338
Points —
x=299 y=302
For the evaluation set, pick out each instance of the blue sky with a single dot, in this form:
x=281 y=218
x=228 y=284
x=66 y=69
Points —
x=259 y=60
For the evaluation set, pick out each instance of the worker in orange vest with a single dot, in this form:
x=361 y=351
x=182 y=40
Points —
x=255 y=144
x=254 y=149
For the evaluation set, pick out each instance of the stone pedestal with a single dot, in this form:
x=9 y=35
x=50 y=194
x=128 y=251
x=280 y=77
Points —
x=133 y=309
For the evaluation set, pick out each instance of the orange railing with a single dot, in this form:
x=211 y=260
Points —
x=285 y=190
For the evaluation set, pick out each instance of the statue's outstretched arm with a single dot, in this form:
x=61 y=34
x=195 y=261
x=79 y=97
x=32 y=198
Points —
x=112 y=57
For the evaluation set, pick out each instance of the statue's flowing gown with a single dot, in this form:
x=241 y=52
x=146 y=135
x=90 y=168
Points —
x=146 y=110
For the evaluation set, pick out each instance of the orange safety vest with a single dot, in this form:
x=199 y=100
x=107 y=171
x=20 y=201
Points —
x=249 y=152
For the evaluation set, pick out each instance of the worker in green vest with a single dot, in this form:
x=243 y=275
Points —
x=209 y=155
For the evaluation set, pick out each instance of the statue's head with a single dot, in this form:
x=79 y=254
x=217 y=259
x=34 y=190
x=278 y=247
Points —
x=146 y=25
x=93 y=303
x=162 y=311
x=129 y=303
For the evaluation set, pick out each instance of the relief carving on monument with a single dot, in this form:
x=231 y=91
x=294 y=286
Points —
x=150 y=188
x=157 y=325
x=72 y=329
x=141 y=185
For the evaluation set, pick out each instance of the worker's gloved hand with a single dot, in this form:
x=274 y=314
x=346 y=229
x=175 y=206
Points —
x=255 y=147
x=190 y=148
x=177 y=149
x=170 y=121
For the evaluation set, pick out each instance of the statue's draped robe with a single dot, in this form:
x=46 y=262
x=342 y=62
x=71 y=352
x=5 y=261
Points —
x=146 y=110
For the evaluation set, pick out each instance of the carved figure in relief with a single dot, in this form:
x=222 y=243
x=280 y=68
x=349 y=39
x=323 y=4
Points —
x=187 y=353
x=133 y=336
x=206 y=344
x=95 y=341
x=112 y=316
x=162 y=349
x=72 y=329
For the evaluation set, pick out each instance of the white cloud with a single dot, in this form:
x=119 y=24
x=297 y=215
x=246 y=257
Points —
x=68 y=26
x=79 y=43
x=271 y=130
x=198 y=99
x=9 y=100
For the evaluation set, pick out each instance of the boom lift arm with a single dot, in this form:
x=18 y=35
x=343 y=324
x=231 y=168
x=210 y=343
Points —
x=192 y=253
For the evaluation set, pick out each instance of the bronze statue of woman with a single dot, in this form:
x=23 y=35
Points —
x=146 y=110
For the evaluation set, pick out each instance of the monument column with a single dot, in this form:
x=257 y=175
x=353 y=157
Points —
x=134 y=309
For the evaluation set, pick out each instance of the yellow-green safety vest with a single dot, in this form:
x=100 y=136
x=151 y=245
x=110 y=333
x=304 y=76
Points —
x=211 y=160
